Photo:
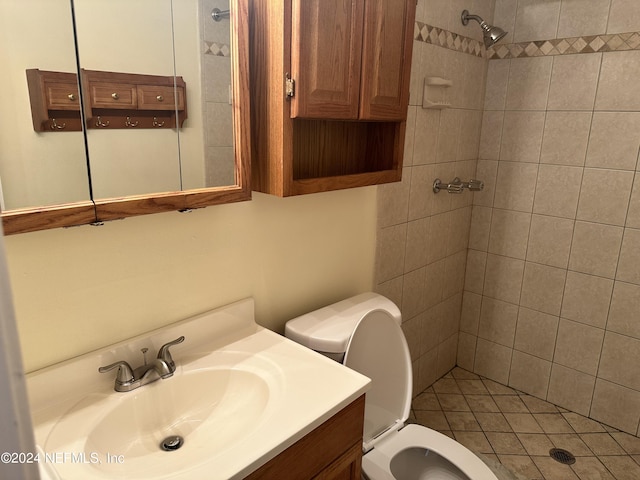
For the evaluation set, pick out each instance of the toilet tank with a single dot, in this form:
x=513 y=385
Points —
x=328 y=329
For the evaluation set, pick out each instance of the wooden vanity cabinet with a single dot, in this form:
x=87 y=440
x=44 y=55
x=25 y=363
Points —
x=333 y=451
x=330 y=95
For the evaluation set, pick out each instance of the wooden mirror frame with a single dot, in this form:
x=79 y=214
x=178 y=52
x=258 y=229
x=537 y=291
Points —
x=82 y=213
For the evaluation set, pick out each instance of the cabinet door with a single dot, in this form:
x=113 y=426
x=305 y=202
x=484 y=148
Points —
x=326 y=43
x=386 y=61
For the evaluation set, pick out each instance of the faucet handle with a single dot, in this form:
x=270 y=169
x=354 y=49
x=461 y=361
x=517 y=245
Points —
x=475 y=185
x=165 y=355
x=125 y=372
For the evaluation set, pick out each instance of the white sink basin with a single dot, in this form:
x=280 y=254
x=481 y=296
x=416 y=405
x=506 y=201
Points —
x=210 y=409
x=240 y=395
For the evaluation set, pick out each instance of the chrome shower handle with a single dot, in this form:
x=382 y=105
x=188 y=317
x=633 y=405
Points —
x=474 y=185
x=457 y=185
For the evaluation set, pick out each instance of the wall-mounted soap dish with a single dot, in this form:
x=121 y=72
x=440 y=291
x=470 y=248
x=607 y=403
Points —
x=435 y=93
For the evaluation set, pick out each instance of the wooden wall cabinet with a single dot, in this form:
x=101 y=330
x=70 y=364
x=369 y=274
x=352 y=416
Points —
x=333 y=451
x=111 y=100
x=55 y=101
x=127 y=100
x=330 y=95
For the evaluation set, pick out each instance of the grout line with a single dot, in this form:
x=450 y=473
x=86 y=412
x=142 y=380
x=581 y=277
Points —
x=492 y=207
x=573 y=236
x=608 y=16
x=619 y=249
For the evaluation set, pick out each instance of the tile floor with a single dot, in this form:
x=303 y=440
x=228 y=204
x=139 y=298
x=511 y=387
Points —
x=518 y=430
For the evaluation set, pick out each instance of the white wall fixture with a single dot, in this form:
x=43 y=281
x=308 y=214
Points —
x=435 y=95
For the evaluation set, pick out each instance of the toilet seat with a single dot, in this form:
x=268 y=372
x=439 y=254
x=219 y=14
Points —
x=378 y=349
x=377 y=462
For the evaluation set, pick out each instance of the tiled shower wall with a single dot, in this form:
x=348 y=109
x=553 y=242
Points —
x=216 y=79
x=422 y=237
x=552 y=292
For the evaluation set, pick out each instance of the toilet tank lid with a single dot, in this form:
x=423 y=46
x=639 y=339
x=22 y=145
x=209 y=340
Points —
x=329 y=328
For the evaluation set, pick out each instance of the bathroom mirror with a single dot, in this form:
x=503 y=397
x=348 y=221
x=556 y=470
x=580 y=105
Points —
x=136 y=38
x=135 y=170
x=36 y=169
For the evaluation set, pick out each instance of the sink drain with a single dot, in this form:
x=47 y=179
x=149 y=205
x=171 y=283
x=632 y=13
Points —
x=563 y=456
x=174 y=442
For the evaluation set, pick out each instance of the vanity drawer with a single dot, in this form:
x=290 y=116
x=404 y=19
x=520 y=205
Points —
x=157 y=97
x=113 y=95
x=62 y=96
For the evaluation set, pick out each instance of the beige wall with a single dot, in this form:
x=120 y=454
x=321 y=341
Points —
x=82 y=288
x=552 y=292
x=422 y=237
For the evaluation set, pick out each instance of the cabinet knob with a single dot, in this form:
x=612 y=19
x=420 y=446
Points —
x=71 y=97
x=160 y=98
x=115 y=96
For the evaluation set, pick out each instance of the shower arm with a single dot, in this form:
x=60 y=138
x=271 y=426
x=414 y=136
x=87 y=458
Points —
x=466 y=16
x=218 y=14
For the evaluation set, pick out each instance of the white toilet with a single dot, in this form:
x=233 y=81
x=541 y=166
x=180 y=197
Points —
x=363 y=332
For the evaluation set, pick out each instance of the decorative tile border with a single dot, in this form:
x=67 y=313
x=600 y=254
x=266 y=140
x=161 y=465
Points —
x=560 y=46
x=444 y=38
x=217 y=49
x=567 y=46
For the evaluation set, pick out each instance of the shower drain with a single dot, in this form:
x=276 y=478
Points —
x=563 y=456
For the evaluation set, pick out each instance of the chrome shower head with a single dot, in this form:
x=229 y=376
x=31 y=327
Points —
x=491 y=34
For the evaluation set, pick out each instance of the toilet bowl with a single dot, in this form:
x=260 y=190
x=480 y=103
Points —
x=363 y=332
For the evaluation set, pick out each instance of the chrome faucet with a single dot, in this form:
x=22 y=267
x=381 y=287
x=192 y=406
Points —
x=128 y=379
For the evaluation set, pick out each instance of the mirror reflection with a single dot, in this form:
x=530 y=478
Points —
x=134 y=38
x=36 y=169
x=215 y=64
x=154 y=136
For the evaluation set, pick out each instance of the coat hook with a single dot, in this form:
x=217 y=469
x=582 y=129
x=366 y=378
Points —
x=55 y=126
x=100 y=123
x=156 y=123
x=128 y=123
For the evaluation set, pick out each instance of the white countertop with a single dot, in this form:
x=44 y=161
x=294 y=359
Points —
x=305 y=389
